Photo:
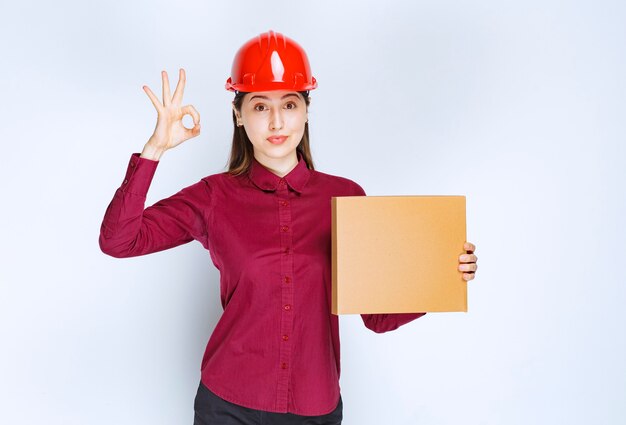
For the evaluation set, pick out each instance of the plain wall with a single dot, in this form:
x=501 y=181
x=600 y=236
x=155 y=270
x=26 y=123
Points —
x=520 y=106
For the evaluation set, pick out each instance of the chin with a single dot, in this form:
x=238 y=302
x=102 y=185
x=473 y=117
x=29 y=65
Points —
x=279 y=155
x=284 y=148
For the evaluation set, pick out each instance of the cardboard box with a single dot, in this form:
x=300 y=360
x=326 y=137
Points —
x=398 y=254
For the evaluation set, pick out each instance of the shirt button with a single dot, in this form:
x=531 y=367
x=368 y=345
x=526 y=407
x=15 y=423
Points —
x=285 y=337
x=287 y=307
x=287 y=279
x=284 y=203
x=283 y=365
x=287 y=250
x=284 y=228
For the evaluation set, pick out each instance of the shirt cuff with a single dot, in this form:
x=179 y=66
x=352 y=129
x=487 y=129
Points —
x=139 y=174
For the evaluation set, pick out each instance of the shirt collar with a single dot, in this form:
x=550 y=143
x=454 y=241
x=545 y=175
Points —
x=264 y=179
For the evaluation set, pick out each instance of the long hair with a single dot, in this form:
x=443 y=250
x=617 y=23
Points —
x=242 y=152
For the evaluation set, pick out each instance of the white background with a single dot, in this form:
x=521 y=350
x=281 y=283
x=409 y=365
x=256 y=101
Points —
x=518 y=105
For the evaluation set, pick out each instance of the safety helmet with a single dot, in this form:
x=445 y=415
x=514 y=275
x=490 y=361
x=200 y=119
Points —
x=270 y=61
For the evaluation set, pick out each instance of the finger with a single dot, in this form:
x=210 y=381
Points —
x=180 y=88
x=167 y=97
x=468 y=276
x=472 y=267
x=189 y=109
x=192 y=132
x=153 y=98
x=470 y=247
x=468 y=258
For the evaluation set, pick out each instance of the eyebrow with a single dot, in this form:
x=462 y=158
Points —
x=267 y=98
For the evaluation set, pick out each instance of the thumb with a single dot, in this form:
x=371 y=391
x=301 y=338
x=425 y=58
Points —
x=192 y=132
x=190 y=110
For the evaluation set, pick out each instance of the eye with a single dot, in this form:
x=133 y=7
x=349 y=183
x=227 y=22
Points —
x=290 y=105
x=260 y=107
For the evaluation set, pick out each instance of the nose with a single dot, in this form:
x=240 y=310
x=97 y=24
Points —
x=276 y=120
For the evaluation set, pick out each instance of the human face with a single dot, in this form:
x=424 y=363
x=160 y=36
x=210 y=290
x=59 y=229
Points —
x=274 y=122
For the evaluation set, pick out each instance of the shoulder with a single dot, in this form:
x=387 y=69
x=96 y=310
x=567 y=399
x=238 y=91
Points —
x=207 y=184
x=225 y=183
x=224 y=178
x=343 y=184
x=204 y=191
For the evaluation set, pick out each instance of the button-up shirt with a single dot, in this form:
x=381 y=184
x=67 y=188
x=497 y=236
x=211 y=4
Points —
x=276 y=345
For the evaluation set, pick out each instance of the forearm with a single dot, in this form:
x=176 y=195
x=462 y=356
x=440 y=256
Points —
x=381 y=323
x=121 y=224
x=129 y=230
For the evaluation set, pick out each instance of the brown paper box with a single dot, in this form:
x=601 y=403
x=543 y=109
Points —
x=398 y=254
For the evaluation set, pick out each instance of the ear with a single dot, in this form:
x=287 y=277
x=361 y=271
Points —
x=237 y=115
x=307 y=108
x=236 y=111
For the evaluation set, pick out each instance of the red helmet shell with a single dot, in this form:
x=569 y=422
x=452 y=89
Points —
x=271 y=61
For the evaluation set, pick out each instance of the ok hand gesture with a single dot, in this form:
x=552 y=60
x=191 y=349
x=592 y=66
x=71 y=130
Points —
x=170 y=131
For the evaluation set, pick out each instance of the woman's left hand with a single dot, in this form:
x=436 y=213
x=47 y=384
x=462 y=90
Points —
x=467 y=262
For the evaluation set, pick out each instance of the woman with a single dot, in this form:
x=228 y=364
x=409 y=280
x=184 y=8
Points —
x=274 y=355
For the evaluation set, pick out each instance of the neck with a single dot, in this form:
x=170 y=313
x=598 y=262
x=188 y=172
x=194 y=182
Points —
x=279 y=166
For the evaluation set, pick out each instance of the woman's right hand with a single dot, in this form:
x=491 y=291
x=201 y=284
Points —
x=170 y=131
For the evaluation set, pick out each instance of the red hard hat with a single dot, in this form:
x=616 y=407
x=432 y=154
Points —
x=270 y=61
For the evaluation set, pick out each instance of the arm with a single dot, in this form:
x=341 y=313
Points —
x=128 y=230
x=381 y=323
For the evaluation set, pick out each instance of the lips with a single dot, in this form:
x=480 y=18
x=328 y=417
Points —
x=277 y=140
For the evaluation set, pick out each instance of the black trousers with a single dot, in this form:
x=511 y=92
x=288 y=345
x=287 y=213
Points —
x=213 y=410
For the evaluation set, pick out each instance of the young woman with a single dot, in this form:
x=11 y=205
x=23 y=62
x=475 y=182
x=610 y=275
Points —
x=274 y=355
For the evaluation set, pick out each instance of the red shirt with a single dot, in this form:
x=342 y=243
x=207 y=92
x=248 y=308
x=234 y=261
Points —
x=276 y=346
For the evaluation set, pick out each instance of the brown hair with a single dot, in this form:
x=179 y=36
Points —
x=242 y=153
